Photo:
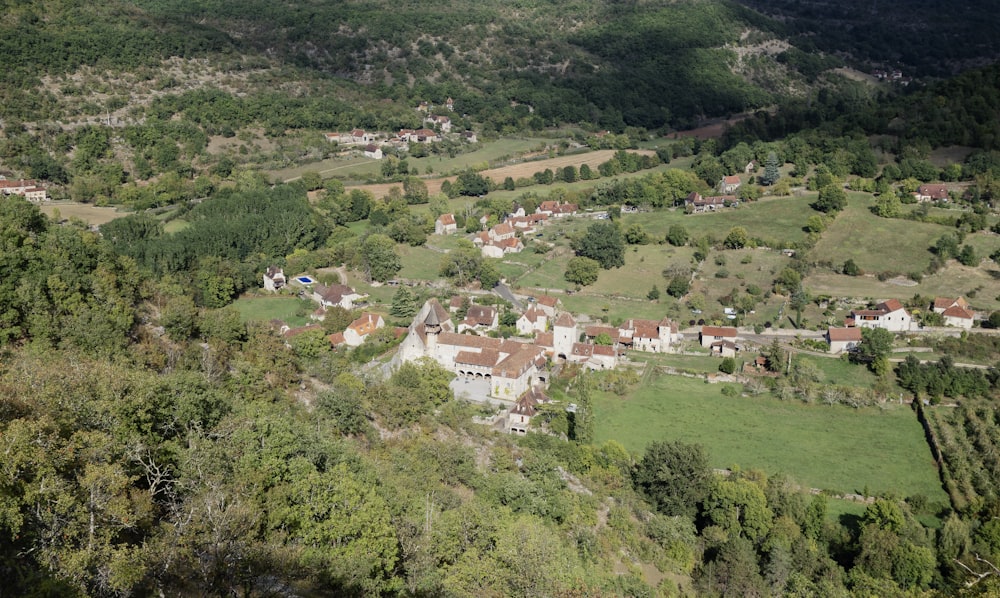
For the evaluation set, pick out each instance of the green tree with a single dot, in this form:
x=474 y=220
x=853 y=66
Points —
x=415 y=191
x=728 y=365
x=653 y=294
x=678 y=286
x=635 y=235
x=875 y=348
x=832 y=198
x=815 y=224
x=967 y=256
x=603 y=242
x=675 y=477
x=378 y=255
x=739 y=507
x=677 y=235
x=851 y=269
x=771 y=173
x=582 y=271
x=404 y=303
x=738 y=238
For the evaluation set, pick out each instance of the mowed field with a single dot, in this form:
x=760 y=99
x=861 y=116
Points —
x=834 y=448
x=515 y=171
x=88 y=213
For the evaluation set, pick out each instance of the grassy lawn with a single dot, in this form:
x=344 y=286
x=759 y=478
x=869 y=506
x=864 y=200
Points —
x=419 y=263
x=876 y=244
x=836 y=448
x=290 y=310
x=175 y=226
x=777 y=219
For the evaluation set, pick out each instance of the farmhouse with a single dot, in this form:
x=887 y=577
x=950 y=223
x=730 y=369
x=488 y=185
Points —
x=639 y=335
x=443 y=122
x=932 y=193
x=335 y=295
x=356 y=333
x=696 y=203
x=445 y=224
x=729 y=184
x=889 y=315
x=373 y=151
x=557 y=209
x=955 y=311
x=711 y=335
x=843 y=339
x=29 y=189
x=274 y=279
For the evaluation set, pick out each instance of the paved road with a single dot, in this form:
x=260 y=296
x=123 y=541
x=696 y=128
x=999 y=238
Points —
x=504 y=292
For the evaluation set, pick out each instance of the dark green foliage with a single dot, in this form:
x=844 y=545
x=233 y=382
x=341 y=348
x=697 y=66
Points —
x=832 y=199
x=677 y=235
x=942 y=379
x=728 y=365
x=771 y=173
x=674 y=476
x=404 y=303
x=678 y=286
x=603 y=242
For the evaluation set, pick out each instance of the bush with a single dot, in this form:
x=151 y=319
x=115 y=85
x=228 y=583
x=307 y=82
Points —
x=728 y=365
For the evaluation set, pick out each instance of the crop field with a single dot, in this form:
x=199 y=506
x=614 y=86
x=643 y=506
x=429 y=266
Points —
x=817 y=445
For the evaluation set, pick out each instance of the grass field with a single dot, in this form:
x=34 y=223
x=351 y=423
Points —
x=419 y=263
x=777 y=219
x=835 y=448
x=290 y=310
x=88 y=213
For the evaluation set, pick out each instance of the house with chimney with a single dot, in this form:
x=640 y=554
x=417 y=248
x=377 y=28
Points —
x=274 y=279
x=336 y=295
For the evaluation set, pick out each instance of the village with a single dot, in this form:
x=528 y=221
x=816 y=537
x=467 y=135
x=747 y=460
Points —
x=512 y=374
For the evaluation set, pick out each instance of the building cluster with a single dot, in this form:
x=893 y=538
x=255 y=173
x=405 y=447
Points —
x=503 y=238
x=372 y=143
x=518 y=368
x=28 y=189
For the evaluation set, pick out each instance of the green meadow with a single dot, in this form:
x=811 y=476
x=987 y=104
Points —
x=829 y=447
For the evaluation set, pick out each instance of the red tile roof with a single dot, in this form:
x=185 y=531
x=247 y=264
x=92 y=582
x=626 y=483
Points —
x=958 y=312
x=446 y=219
x=843 y=334
x=723 y=331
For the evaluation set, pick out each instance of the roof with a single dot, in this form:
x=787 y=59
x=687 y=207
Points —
x=946 y=302
x=517 y=362
x=565 y=321
x=843 y=334
x=436 y=315
x=723 y=331
x=336 y=339
x=958 y=312
x=731 y=179
x=481 y=314
x=456 y=301
x=599 y=329
x=528 y=402
x=533 y=314
x=934 y=191
x=545 y=339
x=583 y=349
x=891 y=305
x=725 y=345
x=366 y=324
x=335 y=292
x=486 y=358
x=469 y=340
x=503 y=229
x=606 y=350
x=371 y=147
x=547 y=300
x=446 y=219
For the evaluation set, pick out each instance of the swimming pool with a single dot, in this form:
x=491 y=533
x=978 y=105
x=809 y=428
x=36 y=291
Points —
x=304 y=280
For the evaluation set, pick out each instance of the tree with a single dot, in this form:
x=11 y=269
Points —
x=415 y=190
x=771 y=173
x=875 y=347
x=728 y=365
x=832 y=198
x=472 y=183
x=851 y=269
x=967 y=256
x=815 y=224
x=678 y=286
x=738 y=238
x=675 y=477
x=404 y=303
x=677 y=235
x=603 y=243
x=582 y=271
x=653 y=294
x=635 y=235
x=378 y=254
